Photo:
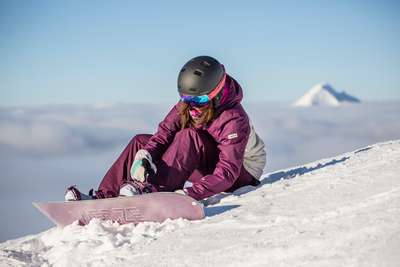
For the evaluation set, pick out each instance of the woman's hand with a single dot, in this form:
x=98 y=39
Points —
x=142 y=166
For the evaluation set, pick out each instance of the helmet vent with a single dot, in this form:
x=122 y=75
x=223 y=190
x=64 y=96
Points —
x=205 y=63
x=198 y=73
x=193 y=89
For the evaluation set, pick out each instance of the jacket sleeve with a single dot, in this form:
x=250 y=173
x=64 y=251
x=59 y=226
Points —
x=232 y=140
x=165 y=134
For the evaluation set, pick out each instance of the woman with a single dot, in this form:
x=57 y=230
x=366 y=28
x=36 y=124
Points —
x=204 y=146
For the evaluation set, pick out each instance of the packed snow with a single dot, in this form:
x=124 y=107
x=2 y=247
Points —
x=323 y=94
x=341 y=211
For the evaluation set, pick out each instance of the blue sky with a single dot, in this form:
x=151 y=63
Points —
x=130 y=51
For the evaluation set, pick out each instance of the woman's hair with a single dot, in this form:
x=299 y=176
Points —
x=207 y=114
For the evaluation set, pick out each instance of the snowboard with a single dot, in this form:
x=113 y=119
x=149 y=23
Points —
x=153 y=207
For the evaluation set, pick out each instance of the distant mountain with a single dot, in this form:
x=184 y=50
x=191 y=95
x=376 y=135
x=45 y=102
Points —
x=323 y=94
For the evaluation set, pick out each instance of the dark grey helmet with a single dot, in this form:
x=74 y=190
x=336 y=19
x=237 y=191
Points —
x=199 y=76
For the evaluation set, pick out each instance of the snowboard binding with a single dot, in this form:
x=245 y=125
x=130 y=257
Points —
x=73 y=194
x=133 y=188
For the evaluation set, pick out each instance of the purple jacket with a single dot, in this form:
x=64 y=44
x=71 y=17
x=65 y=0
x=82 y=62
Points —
x=230 y=129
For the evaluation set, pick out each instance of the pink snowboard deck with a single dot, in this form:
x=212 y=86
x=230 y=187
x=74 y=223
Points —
x=155 y=207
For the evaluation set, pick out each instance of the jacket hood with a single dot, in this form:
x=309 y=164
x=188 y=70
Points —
x=234 y=96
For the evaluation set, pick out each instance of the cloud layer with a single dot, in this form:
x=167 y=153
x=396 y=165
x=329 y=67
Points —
x=292 y=135
x=53 y=131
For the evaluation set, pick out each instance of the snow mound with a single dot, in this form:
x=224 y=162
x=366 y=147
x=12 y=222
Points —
x=341 y=211
x=323 y=94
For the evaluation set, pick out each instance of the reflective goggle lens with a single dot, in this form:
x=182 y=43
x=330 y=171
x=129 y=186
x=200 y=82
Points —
x=200 y=100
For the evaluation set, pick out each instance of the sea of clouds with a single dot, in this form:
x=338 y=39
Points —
x=44 y=149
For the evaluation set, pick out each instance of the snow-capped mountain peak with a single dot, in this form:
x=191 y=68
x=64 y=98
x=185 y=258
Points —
x=323 y=94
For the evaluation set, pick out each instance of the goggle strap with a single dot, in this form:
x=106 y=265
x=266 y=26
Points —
x=218 y=88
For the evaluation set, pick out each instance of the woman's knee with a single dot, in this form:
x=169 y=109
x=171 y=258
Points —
x=137 y=142
x=141 y=139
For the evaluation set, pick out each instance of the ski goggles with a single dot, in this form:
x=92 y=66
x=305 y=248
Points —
x=199 y=100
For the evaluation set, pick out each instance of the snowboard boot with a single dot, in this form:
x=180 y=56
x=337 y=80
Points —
x=73 y=194
x=134 y=187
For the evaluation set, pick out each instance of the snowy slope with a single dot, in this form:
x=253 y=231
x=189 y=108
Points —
x=323 y=94
x=342 y=211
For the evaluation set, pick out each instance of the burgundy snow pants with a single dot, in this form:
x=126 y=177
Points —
x=192 y=155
